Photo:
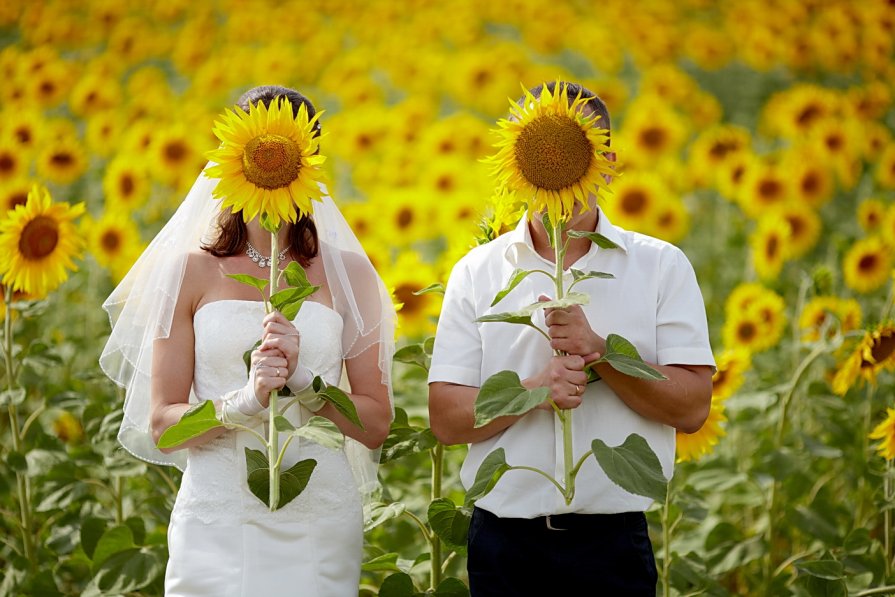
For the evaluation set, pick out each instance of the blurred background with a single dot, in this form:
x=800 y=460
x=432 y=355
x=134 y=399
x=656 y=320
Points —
x=755 y=134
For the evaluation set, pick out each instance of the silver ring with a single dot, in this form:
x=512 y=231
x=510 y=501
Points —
x=577 y=390
x=278 y=371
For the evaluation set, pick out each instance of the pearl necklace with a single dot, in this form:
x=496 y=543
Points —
x=260 y=259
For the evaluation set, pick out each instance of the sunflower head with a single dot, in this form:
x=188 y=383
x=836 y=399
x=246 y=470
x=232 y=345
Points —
x=267 y=162
x=38 y=241
x=552 y=153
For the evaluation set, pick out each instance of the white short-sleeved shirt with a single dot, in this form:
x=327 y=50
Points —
x=653 y=301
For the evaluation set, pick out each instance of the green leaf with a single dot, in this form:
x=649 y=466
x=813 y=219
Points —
x=403 y=441
x=572 y=298
x=451 y=587
x=398 y=584
x=827 y=569
x=289 y=300
x=322 y=431
x=631 y=367
x=503 y=394
x=12 y=397
x=579 y=275
x=523 y=317
x=92 y=529
x=413 y=354
x=295 y=275
x=449 y=522
x=194 y=422
x=633 y=466
x=429 y=345
x=116 y=539
x=268 y=223
x=594 y=237
x=292 y=481
x=17 y=462
x=515 y=278
x=623 y=357
x=338 y=399
x=380 y=512
x=258 y=283
x=437 y=288
x=127 y=571
x=489 y=473
x=387 y=562
x=548 y=226
x=247 y=358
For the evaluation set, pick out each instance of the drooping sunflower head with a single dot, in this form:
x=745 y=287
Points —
x=38 y=241
x=268 y=161
x=552 y=151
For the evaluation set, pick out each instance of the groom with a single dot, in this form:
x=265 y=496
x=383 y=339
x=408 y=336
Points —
x=523 y=539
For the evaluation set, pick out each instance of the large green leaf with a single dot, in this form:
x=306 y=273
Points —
x=114 y=540
x=578 y=275
x=380 y=512
x=489 y=473
x=594 y=237
x=515 y=278
x=633 y=466
x=296 y=276
x=258 y=283
x=521 y=317
x=623 y=357
x=570 y=299
x=126 y=572
x=413 y=354
x=449 y=522
x=322 y=431
x=403 y=441
x=827 y=569
x=503 y=394
x=387 y=562
x=398 y=584
x=92 y=529
x=451 y=587
x=194 y=422
x=338 y=399
x=292 y=481
x=289 y=300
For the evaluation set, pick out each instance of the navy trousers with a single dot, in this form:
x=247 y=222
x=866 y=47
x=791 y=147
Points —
x=582 y=554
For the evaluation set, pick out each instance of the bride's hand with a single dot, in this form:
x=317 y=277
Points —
x=280 y=334
x=270 y=373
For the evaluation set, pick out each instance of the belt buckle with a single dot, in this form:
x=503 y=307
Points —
x=550 y=524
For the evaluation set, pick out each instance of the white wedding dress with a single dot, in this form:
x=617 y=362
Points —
x=223 y=541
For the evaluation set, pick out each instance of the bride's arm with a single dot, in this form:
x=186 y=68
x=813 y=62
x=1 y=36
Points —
x=172 y=365
x=370 y=397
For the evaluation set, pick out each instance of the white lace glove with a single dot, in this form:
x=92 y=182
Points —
x=241 y=406
x=301 y=385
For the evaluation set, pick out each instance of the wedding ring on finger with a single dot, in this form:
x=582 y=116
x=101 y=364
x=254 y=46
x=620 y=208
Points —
x=577 y=390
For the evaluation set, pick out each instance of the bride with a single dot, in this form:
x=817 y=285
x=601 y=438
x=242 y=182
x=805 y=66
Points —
x=180 y=329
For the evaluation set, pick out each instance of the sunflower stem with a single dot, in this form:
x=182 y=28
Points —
x=435 y=562
x=559 y=254
x=22 y=482
x=273 y=436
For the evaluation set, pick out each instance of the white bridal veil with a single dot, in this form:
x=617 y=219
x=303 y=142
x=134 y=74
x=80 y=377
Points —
x=142 y=306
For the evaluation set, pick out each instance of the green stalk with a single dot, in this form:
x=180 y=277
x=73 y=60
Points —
x=437 y=454
x=22 y=482
x=565 y=417
x=273 y=436
x=666 y=547
x=819 y=350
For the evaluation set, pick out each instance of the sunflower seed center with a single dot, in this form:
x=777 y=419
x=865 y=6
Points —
x=553 y=152
x=39 y=238
x=271 y=161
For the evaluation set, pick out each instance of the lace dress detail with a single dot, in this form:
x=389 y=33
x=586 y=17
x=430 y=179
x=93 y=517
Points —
x=214 y=492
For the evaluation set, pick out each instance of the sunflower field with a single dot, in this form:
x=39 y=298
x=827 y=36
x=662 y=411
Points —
x=757 y=135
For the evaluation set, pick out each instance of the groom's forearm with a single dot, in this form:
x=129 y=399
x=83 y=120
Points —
x=452 y=417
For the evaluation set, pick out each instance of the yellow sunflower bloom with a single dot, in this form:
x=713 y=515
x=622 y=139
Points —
x=870 y=214
x=126 y=184
x=62 y=161
x=635 y=201
x=804 y=228
x=551 y=153
x=416 y=313
x=267 y=162
x=692 y=446
x=13 y=163
x=820 y=309
x=867 y=265
x=885 y=168
x=12 y=194
x=38 y=241
x=765 y=186
x=872 y=354
x=114 y=241
x=732 y=365
x=754 y=318
x=887 y=226
x=770 y=246
x=672 y=220
x=886 y=432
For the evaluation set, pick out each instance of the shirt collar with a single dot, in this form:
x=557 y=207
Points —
x=519 y=239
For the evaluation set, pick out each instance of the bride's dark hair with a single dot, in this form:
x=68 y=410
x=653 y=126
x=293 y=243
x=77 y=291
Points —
x=231 y=235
